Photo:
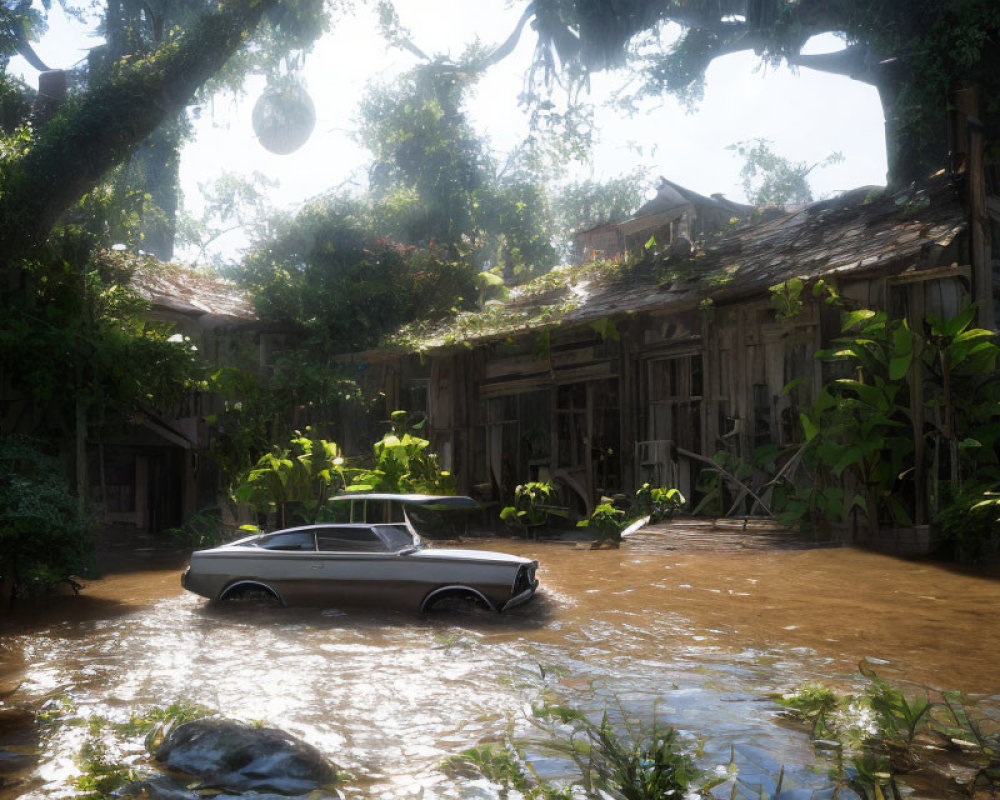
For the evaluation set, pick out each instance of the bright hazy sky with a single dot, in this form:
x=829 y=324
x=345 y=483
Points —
x=807 y=114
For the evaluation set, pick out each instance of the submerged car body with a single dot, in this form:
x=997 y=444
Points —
x=360 y=563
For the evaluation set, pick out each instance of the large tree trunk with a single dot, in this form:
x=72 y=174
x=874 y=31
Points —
x=156 y=171
x=98 y=132
x=916 y=138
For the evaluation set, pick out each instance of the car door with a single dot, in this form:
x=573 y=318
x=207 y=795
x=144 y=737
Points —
x=352 y=564
x=284 y=561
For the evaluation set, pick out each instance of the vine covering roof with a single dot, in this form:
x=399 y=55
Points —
x=864 y=230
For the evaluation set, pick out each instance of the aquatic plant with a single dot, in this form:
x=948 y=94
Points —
x=624 y=761
x=102 y=776
x=813 y=703
x=882 y=731
x=105 y=768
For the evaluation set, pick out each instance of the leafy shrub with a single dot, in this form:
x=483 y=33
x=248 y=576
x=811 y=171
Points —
x=658 y=503
x=608 y=521
x=202 y=529
x=294 y=481
x=43 y=537
x=530 y=509
x=403 y=464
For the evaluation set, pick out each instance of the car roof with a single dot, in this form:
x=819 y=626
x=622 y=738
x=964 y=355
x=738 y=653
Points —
x=424 y=500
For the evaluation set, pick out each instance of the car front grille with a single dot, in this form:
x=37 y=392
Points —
x=525 y=578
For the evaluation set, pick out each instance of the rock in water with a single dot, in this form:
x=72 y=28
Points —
x=240 y=757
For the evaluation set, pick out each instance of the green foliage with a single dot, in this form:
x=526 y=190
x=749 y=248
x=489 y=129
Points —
x=582 y=205
x=730 y=481
x=403 y=464
x=859 y=430
x=899 y=718
x=435 y=179
x=882 y=731
x=201 y=530
x=627 y=761
x=102 y=777
x=947 y=47
x=231 y=203
x=773 y=180
x=657 y=502
x=624 y=762
x=43 y=539
x=295 y=481
x=106 y=758
x=969 y=519
x=503 y=767
x=158 y=717
x=857 y=447
x=786 y=299
x=81 y=324
x=608 y=521
x=813 y=703
x=532 y=506
x=327 y=276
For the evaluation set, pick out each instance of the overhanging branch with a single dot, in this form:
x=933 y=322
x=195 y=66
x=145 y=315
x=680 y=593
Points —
x=853 y=61
x=96 y=133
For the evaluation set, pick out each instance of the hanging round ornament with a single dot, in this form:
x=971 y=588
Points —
x=284 y=117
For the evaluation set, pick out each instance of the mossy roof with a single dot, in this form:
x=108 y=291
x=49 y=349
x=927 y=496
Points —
x=860 y=231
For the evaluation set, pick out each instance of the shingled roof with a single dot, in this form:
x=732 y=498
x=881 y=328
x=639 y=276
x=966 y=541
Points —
x=186 y=291
x=863 y=230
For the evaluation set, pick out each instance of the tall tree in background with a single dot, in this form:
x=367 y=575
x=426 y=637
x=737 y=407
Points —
x=586 y=204
x=773 y=180
x=916 y=53
x=436 y=180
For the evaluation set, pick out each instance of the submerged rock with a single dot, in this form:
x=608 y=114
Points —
x=238 y=757
x=166 y=788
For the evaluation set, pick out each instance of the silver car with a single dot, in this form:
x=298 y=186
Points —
x=362 y=563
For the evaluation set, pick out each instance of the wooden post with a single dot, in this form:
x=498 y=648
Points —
x=969 y=146
x=916 y=376
x=982 y=267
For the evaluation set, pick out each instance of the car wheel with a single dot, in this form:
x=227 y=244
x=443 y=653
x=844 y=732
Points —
x=458 y=602
x=256 y=594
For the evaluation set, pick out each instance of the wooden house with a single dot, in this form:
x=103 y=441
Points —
x=153 y=473
x=602 y=379
x=674 y=216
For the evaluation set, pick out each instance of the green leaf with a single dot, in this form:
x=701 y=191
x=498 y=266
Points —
x=851 y=318
x=650 y=243
x=899 y=366
x=808 y=427
x=852 y=456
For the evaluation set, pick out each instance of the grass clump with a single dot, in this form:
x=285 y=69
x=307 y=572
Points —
x=623 y=761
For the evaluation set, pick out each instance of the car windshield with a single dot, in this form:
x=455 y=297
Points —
x=397 y=537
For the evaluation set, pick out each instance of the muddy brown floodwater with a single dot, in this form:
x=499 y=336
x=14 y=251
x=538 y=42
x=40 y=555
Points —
x=702 y=638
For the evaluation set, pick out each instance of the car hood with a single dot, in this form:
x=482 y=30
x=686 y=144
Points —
x=467 y=555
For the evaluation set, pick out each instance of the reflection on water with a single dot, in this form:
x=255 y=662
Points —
x=700 y=637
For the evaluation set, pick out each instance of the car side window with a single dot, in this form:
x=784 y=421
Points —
x=397 y=537
x=349 y=540
x=294 y=540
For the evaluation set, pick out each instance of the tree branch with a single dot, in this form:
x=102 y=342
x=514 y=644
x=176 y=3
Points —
x=94 y=134
x=852 y=61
